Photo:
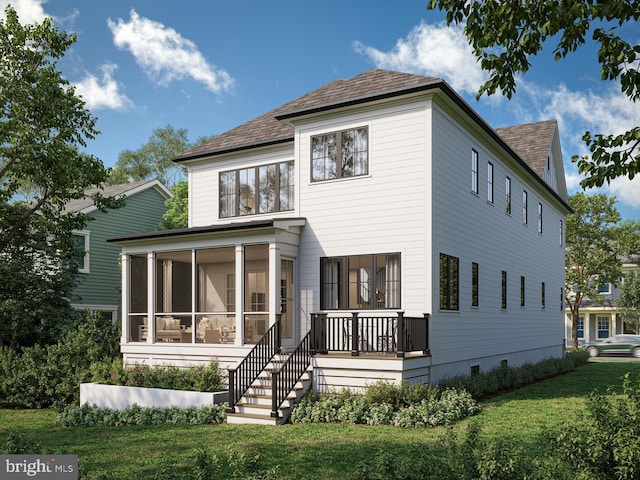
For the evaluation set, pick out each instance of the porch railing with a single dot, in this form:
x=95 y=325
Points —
x=291 y=371
x=247 y=371
x=357 y=333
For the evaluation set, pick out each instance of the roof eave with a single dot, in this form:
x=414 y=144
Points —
x=235 y=148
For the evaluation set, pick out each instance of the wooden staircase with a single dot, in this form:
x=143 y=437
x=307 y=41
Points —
x=256 y=405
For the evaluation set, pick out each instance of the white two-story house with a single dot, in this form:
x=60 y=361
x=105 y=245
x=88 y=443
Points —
x=378 y=222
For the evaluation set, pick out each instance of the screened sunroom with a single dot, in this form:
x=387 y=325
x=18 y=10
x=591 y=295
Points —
x=203 y=286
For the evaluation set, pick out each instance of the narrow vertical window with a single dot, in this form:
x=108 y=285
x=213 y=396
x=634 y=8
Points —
x=448 y=282
x=542 y=295
x=525 y=215
x=522 y=291
x=490 y=182
x=561 y=233
x=475 y=297
x=539 y=218
x=507 y=191
x=474 y=171
x=561 y=299
x=548 y=163
x=504 y=290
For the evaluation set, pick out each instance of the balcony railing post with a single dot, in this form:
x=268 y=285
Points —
x=355 y=335
x=427 y=321
x=401 y=335
x=232 y=390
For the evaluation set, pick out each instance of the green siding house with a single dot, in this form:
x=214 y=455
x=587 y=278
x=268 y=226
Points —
x=99 y=271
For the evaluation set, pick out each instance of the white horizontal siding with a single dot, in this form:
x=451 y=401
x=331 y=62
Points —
x=467 y=227
x=203 y=178
x=383 y=212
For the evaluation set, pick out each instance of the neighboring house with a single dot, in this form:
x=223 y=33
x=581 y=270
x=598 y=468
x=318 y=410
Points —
x=599 y=317
x=381 y=214
x=99 y=281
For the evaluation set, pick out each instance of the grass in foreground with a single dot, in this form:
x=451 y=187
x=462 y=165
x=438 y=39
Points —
x=316 y=451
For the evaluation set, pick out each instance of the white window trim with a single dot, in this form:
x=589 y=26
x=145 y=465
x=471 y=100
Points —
x=87 y=237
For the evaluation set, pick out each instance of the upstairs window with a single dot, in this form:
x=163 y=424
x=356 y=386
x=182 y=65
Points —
x=507 y=191
x=474 y=171
x=539 y=218
x=81 y=246
x=525 y=207
x=340 y=154
x=263 y=189
x=490 y=182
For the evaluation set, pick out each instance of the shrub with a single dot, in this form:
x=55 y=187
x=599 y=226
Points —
x=505 y=378
x=605 y=443
x=207 y=378
x=41 y=377
x=347 y=407
x=91 y=416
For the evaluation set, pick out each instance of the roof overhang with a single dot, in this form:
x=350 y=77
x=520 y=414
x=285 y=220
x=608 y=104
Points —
x=289 y=224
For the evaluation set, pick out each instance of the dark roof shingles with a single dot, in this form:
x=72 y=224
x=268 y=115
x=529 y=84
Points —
x=531 y=142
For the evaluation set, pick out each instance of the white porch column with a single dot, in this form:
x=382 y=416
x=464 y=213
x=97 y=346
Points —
x=151 y=296
x=274 y=282
x=239 y=294
x=126 y=330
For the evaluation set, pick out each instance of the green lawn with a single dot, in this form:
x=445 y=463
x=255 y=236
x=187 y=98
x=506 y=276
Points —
x=312 y=451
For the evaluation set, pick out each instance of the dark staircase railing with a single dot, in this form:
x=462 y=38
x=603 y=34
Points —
x=284 y=380
x=248 y=370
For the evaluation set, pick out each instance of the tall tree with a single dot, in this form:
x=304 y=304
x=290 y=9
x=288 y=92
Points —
x=505 y=34
x=629 y=301
x=593 y=250
x=177 y=216
x=153 y=159
x=42 y=125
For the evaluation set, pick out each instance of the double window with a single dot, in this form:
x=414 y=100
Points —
x=449 y=277
x=360 y=282
x=340 y=154
x=262 y=189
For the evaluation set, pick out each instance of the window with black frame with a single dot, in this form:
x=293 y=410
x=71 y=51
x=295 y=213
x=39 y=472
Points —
x=360 y=282
x=449 y=277
x=262 y=189
x=341 y=154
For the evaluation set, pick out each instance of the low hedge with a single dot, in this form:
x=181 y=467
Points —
x=505 y=378
x=435 y=408
x=91 y=416
x=204 y=378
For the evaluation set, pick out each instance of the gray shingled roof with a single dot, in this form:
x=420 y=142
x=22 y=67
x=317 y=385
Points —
x=531 y=141
x=110 y=191
x=268 y=129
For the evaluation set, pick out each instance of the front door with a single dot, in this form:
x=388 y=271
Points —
x=287 y=301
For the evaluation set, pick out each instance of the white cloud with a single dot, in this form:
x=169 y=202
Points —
x=29 y=11
x=626 y=191
x=102 y=93
x=165 y=55
x=434 y=50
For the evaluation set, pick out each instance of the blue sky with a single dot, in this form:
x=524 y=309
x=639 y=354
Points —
x=208 y=66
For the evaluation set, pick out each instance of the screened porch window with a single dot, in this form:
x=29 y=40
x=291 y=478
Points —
x=360 y=282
